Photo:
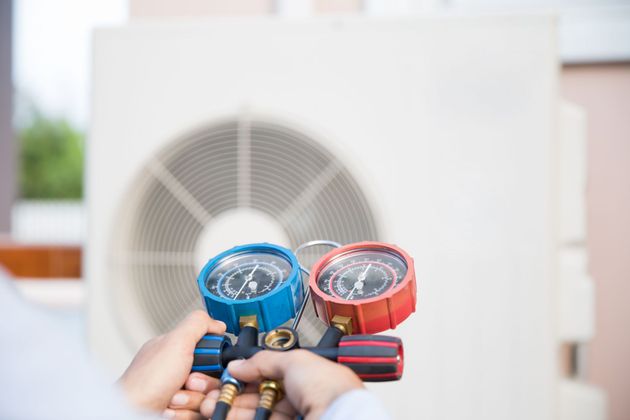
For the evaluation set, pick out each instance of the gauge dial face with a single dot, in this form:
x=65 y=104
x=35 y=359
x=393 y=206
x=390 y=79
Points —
x=248 y=275
x=362 y=274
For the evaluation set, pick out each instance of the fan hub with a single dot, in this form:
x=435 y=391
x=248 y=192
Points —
x=238 y=226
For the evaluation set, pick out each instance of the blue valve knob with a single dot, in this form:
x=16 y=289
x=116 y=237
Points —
x=208 y=355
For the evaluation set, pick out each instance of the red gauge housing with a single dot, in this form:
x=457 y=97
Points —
x=374 y=314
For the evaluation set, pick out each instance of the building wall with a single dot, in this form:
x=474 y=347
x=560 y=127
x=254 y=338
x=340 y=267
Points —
x=604 y=91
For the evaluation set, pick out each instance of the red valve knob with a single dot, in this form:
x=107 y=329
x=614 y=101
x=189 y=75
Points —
x=374 y=358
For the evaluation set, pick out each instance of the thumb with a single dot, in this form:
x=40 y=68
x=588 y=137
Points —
x=196 y=325
x=263 y=365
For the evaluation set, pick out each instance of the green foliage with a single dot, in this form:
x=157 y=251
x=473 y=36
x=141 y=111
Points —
x=51 y=159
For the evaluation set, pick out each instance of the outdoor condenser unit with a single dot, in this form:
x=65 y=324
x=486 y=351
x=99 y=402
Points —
x=440 y=135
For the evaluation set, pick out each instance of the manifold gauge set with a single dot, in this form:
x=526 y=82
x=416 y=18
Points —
x=357 y=290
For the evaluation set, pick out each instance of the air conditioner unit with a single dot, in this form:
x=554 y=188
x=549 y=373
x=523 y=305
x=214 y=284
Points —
x=437 y=134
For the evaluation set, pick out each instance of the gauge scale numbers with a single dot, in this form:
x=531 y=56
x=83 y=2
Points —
x=248 y=276
x=362 y=274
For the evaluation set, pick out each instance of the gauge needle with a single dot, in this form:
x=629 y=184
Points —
x=352 y=291
x=248 y=278
x=363 y=275
x=359 y=283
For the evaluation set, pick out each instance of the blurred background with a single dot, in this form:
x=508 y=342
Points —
x=46 y=68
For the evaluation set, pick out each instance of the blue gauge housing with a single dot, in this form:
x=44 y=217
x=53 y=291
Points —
x=272 y=309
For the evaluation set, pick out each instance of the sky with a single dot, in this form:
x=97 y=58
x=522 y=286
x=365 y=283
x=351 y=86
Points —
x=51 y=64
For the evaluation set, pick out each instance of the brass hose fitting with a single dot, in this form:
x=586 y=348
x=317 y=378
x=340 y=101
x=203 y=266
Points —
x=230 y=388
x=228 y=393
x=270 y=393
x=343 y=324
x=248 y=321
x=281 y=339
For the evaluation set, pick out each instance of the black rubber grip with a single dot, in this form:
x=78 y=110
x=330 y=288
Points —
x=208 y=355
x=248 y=337
x=330 y=338
x=374 y=358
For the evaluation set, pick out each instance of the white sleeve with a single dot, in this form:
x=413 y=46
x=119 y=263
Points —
x=356 y=404
x=46 y=370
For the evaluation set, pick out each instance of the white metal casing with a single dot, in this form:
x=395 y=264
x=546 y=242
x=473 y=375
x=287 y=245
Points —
x=448 y=125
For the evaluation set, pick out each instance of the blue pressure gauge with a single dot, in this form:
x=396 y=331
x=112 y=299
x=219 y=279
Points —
x=256 y=279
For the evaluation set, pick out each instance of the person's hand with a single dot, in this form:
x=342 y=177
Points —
x=311 y=384
x=186 y=403
x=163 y=364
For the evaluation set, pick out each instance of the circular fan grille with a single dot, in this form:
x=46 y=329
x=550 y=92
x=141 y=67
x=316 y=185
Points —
x=196 y=179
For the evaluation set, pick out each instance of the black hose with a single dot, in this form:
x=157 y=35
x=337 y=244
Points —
x=331 y=337
x=221 y=411
x=248 y=337
x=261 y=414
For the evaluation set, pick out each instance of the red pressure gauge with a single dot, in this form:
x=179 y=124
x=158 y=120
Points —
x=373 y=283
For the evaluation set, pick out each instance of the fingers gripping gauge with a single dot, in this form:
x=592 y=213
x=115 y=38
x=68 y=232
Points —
x=257 y=279
x=372 y=283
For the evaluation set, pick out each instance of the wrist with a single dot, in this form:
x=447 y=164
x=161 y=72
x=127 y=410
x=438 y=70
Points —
x=328 y=397
x=137 y=395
